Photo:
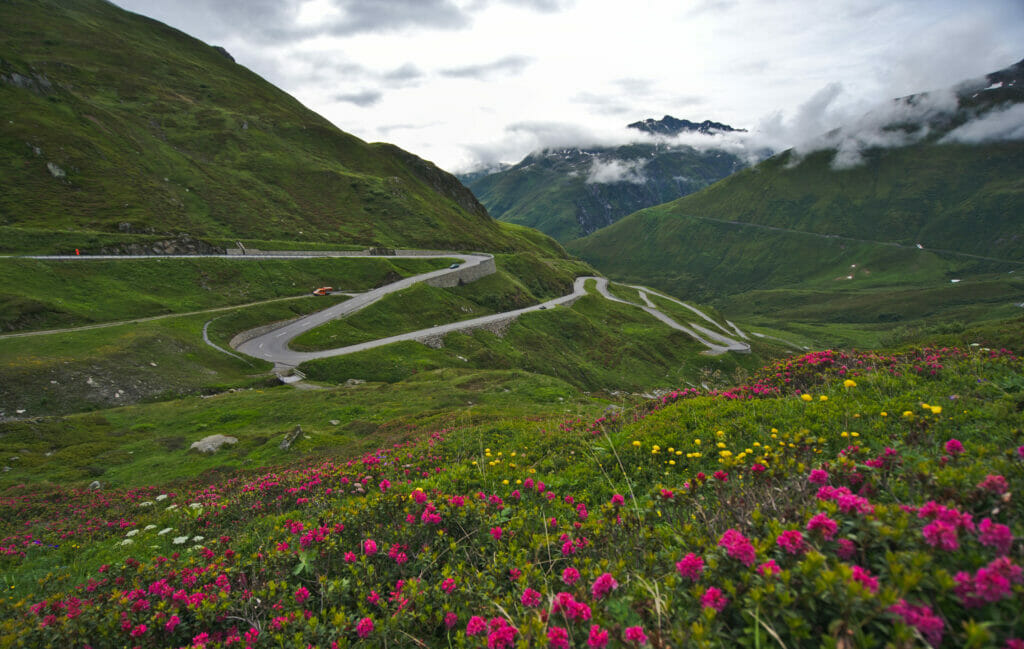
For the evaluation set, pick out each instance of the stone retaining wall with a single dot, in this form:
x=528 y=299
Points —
x=498 y=328
x=464 y=275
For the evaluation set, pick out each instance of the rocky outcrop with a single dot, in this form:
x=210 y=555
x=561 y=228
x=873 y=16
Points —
x=180 y=245
x=439 y=180
x=212 y=443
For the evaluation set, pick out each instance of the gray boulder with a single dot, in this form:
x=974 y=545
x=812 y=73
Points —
x=212 y=443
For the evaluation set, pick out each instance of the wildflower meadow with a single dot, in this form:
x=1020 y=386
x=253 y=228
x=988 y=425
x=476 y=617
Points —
x=837 y=500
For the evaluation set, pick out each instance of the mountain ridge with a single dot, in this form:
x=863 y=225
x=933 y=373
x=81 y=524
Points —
x=118 y=119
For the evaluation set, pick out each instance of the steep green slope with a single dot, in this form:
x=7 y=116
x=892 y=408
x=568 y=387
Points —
x=561 y=192
x=906 y=220
x=116 y=122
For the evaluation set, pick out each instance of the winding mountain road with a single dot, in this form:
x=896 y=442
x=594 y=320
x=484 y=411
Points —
x=272 y=344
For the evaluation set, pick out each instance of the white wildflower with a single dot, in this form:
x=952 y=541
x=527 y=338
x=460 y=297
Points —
x=164 y=531
x=126 y=542
x=146 y=503
x=197 y=539
x=178 y=540
x=162 y=497
x=172 y=507
x=132 y=532
x=149 y=527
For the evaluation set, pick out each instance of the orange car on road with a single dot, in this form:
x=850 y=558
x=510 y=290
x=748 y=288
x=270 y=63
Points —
x=323 y=290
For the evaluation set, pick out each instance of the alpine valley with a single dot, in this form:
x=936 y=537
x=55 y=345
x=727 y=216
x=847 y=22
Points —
x=265 y=384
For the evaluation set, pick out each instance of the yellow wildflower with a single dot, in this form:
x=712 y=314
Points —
x=806 y=397
x=849 y=383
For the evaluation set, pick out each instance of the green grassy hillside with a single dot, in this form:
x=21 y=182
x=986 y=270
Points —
x=836 y=500
x=115 y=121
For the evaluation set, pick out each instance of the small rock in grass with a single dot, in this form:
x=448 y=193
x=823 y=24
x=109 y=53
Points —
x=212 y=443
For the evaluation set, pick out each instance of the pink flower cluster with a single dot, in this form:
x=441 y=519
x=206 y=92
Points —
x=792 y=541
x=920 y=617
x=603 y=585
x=989 y=584
x=848 y=501
x=714 y=598
x=822 y=523
x=567 y=605
x=863 y=577
x=691 y=566
x=995 y=535
x=738 y=546
x=946 y=522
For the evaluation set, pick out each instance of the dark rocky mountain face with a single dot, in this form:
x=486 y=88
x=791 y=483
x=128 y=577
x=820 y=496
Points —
x=569 y=193
x=669 y=125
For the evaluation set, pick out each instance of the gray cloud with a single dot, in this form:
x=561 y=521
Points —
x=276 y=21
x=403 y=74
x=616 y=171
x=509 y=65
x=998 y=124
x=543 y=6
x=363 y=98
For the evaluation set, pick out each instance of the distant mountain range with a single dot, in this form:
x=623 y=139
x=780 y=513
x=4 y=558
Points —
x=571 y=192
x=924 y=189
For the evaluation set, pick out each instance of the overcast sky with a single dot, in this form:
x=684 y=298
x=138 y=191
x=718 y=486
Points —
x=471 y=82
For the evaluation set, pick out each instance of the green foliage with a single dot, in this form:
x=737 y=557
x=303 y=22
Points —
x=848 y=521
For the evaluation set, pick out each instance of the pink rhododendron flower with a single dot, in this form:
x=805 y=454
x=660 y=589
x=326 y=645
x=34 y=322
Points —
x=450 y=619
x=598 y=638
x=847 y=549
x=476 y=625
x=940 y=534
x=822 y=523
x=502 y=635
x=954 y=447
x=496 y=532
x=384 y=486
x=558 y=638
x=530 y=597
x=691 y=566
x=769 y=568
x=618 y=499
x=862 y=576
x=570 y=575
x=792 y=541
x=994 y=483
x=448 y=585
x=922 y=618
x=603 y=585
x=364 y=627
x=567 y=605
x=636 y=635
x=738 y=546
x=995 y=535
x=714 y=598
x=369 y=547
x=301 y=595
